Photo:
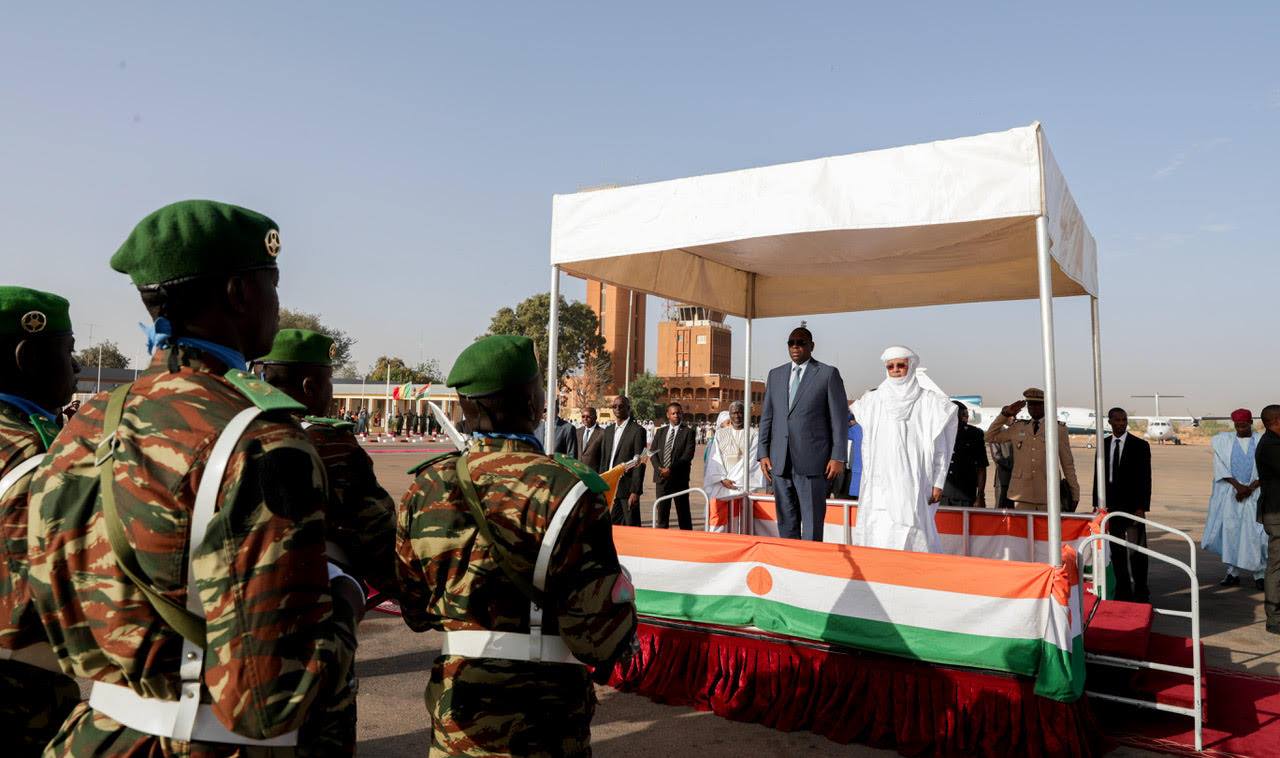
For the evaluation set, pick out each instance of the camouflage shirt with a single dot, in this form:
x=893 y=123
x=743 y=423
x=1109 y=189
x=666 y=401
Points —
x=33 y=702
x=450 y=579
x=261 y=571
x=19 y=626
x=361 y=515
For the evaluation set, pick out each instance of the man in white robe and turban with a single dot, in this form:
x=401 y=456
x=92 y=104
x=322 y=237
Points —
x=909 y=431
x=728 y=458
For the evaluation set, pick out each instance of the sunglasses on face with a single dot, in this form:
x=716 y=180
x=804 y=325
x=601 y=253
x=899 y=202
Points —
x=899 y=364
x=797 y=343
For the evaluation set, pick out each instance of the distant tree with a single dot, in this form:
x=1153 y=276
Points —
x=423 y=373
x=588 y=386
x=648 y=396
x=579 y=330
x=111 y=356
x=342 y=366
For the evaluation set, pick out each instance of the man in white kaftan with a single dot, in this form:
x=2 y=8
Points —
x=728 y=458
x=1231 y=529
x=908 y=435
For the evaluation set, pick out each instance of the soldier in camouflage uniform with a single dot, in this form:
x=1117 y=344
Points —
x=179 y=560
x=360 y=516
x=520 y=632
x=37 y=377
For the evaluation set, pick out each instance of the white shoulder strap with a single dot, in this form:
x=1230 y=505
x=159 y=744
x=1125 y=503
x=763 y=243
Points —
x=543 y=563
x=19 y=471
x=206 y=502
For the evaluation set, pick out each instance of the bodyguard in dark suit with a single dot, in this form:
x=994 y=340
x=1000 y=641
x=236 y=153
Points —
x=1127 y=467
x=1267 y=457
x=672 y=459
x=622 y=442
x=566 y=438
x=589 y=439
x=803 y=426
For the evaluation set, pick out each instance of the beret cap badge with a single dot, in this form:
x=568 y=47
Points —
x=273 y=242
x=34 y=322
x=333 y=351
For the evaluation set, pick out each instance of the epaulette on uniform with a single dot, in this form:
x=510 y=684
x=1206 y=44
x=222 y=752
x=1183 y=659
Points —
x=260 y=393
x=336 y=423
x=433 y=459
x=584 y=473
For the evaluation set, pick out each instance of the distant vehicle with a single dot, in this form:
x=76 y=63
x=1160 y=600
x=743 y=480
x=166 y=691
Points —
x=1161 y=428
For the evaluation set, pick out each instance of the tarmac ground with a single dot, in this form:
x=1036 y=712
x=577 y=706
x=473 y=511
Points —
x=394 y=662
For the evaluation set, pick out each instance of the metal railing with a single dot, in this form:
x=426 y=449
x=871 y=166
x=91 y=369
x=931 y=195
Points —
x=965 y=513
x=1195 y=670
x=706 y=506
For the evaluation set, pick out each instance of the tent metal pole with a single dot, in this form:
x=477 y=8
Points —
x=749 y=508
x=626 y=376
x=553 y=348
x=1099 y=466
x=1051 y=473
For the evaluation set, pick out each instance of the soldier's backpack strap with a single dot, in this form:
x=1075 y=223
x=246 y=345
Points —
x=533 y=646
x=19 y=471
x=185 y=719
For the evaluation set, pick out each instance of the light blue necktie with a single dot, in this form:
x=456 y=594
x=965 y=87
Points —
x=795 y=385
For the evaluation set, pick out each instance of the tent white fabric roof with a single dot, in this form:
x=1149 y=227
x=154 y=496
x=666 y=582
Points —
x=941 y=222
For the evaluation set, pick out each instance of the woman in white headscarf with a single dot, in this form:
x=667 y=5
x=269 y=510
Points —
x=909 y=431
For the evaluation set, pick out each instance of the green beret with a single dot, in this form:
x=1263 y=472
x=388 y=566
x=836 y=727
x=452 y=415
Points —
x=195 y=238
x=26 y=312
x=492 y=364
x=301 y=346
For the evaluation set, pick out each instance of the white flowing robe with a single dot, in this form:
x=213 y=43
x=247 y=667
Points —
x=727 y=460
x=1231 y=529
x=902 y=461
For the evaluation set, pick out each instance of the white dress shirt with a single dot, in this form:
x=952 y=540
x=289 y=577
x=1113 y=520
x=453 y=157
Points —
x=617 y=438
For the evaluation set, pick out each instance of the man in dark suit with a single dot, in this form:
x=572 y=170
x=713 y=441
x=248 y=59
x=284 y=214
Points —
x=590 y=437
x=566 y=439
x=622 y=442
x=672 y=459
x=803 y=430
x=1126 y=461
x=1267 y=457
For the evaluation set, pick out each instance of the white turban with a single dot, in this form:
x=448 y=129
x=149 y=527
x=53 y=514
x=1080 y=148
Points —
x=898 y=394
x=722 y=419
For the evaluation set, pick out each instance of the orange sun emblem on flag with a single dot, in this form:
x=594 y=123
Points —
x=759 y=580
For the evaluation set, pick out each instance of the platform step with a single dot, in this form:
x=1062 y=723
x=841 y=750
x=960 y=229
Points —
x=1116 y=627
x=1165 y=687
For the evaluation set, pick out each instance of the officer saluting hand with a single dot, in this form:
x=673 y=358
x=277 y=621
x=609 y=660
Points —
x=511 y=553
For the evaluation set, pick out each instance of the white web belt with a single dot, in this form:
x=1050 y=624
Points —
x=514 y=646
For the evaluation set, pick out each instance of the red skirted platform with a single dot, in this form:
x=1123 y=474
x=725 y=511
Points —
x=851 y=696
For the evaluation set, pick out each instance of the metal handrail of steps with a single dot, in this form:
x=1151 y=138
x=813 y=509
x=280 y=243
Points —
x=1194 y=671
x=706 y=506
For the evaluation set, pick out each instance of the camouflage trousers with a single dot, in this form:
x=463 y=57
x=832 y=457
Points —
x=330 y=729
x=33 y=704
x=487 y=707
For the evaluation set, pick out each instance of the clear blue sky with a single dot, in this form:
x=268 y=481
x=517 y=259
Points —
x=410 y=154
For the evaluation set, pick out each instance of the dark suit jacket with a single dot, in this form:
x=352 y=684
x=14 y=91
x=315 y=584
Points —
x=589 y=452
x=681 y=455
x=1267 y=456
x=566 y=440
x=811 y=432
x=1130 y=489
x=632 y=444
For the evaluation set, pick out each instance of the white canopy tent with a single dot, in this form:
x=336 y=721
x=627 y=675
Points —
x=974 y=219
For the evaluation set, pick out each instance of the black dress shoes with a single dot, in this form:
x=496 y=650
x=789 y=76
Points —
x=1230 y=580
x=1257 y=585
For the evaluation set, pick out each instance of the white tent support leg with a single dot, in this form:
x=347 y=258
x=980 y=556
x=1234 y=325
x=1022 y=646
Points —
x=746 y=400
x=1099 y=470
x=1051 y=473
x=553 y=348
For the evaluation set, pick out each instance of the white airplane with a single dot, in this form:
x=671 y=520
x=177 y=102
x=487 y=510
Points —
x=1161 y=428
x=1078 y=420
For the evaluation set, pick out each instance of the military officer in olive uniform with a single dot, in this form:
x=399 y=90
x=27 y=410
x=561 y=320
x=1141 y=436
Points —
x=1027 y=483
x=37 y=378
x=511 y=553
x=176 y=527
x=360 y=517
